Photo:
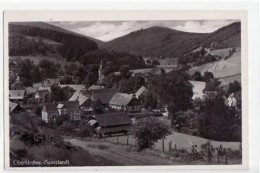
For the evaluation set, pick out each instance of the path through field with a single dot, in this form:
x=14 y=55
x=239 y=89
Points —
x=119 y=154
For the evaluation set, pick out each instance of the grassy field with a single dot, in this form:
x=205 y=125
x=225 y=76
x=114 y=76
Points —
x=227 y=70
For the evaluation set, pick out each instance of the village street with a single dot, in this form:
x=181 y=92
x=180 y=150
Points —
x=119 y=154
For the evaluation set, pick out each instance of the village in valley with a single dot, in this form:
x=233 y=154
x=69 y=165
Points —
x=94 y=105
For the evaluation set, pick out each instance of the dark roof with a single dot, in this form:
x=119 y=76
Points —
x=115 y=129
x=113 y=119
x=71 y=105
x=50 y=107
x=104 y=95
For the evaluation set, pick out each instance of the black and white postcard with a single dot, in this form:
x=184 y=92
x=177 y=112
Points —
x=95 y=89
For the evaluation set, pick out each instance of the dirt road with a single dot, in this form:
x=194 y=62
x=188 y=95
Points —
x=119 y=154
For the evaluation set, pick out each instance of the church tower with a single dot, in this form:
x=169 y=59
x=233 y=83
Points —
x=100 y=74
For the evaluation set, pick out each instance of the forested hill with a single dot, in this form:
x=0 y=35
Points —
x=38 y=38
x=160 y=41
x=156 y=41
x=225 y=37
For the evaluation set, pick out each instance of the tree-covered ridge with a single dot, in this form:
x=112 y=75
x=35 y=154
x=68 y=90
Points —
x=72 y=45
x=155 y=41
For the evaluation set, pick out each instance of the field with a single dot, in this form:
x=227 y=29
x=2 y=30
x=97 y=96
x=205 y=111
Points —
x=227 y=70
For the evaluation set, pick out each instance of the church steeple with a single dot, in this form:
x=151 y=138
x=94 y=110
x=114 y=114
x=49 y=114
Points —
x=100 y=74
x=100 y=69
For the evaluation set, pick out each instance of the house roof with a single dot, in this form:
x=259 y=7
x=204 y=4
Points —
x=42 y=92
x=30 y=90
x=114 y=129
x=50 y=82
x=103 y=97
x=45 y=88
x=16 y=94
x=50 y=107
x=95 y=87
x=75 y=87
x=197 y=89
x=121 y=99
x=12 y=106
x=141 y=90
x=113 y=119
x=78 y=93
x=70 y=105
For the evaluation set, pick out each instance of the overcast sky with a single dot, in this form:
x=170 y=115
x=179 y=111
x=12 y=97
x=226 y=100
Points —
x=109 y=30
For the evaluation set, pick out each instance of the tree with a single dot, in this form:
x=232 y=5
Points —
x=155 y=63
x=197 y=76
x=150 y=102
x=125 y=71
x=217 y=121
x=57 y=94
x=173 y=90
x=148 y=62
x=208 y=76
x=148 y=131
x=97 y=107
x=233 y=87
x=85 y=130
x=212 y=85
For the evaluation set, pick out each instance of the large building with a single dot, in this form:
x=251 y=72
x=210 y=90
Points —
x=109 y=124
x=125 y=102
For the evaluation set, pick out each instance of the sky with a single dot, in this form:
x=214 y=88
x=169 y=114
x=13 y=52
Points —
x=109 y=30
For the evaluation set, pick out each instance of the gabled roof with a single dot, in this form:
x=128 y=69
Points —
x=41 y=93
x=121 y=99
x=30 y=90
x=70 y=105
x=50 y=107
x=141 y=90
x=12 y=106
x=104 y=95
x=79 y=93
x=197 y=89
x=95 y=87
x=75 y=87
x=16 y=94
x=45 y=88
x=113 y=119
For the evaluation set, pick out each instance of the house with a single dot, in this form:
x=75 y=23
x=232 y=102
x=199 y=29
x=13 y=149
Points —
x=70 y=109
x=108 y=124
x=83 y=97
x=104 y=95
x=15 y=108
x=197 y=88
x=17 y=96
x=41 y=94
x=141 y=92
x=50 y=113
x=125 y=102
